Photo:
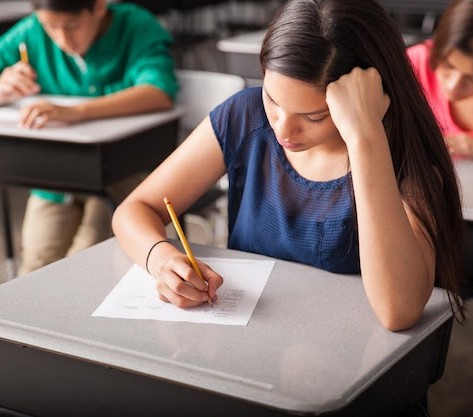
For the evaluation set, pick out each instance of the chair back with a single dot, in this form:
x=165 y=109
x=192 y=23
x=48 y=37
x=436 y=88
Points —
x=200 y=92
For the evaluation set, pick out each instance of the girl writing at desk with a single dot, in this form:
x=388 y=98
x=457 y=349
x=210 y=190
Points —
x=337 y=161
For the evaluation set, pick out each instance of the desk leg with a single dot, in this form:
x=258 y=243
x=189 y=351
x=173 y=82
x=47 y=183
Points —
x=10 y=259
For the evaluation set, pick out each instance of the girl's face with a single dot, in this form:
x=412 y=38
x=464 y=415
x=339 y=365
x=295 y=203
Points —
x=298 y=113
x=455 y=75
x=74 y=33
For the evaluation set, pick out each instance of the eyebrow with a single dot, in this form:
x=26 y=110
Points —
x=310 y=113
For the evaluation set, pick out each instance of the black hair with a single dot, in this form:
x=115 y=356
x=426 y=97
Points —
x=454 y=31
x=69 y=6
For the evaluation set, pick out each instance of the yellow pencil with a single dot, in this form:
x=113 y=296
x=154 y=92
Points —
x=183 y=239
x=24 y=53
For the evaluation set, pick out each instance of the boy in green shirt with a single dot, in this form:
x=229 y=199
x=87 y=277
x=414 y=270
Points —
x=119 y=55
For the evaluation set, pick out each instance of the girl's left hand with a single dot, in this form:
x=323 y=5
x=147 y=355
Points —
x=357 y=102
x=36 y=115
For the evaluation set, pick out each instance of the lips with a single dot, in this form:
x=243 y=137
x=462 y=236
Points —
x=287 y=144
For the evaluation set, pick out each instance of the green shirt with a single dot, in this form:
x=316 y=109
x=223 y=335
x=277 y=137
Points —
x=135 y=50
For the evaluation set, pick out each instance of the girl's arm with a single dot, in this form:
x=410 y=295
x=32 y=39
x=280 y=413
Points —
x=397 y=260
x=139 y=222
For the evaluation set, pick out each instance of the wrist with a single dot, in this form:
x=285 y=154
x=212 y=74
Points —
x=81 y=113
x=367 y=139
x=153 y=250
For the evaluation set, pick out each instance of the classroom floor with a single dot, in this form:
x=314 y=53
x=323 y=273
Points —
x=450 y=397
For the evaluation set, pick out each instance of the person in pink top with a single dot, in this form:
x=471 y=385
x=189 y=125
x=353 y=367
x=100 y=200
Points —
x=444 y=65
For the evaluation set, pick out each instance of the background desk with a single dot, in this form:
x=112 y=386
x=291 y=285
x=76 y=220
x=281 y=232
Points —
x=242 y=54
x=464 y=170
x=86 y=157
x=12 y=11
x=312 y=347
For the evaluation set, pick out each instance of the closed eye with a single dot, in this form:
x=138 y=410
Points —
x=268 y=98
x=319 y=120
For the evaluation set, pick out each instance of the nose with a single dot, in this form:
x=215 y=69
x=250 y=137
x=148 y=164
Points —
x=63 y=38
x=453 y=83
x=285 y=126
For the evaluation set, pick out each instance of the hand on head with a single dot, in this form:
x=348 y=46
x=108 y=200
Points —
x=357 y=101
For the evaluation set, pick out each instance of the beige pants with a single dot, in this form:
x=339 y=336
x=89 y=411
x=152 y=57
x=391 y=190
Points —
x=52 y=231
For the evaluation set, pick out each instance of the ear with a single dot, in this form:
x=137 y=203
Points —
x=100 y=8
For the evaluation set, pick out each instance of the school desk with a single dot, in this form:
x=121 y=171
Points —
x=415 y=7
x=86 y=157
x=464 y=168
x=241 y=53
x=312 y=347
x=11 y=12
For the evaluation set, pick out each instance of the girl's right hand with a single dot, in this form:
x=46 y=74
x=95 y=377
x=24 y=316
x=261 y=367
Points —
x=178 y=283
x=17 y=81
x=460 y=145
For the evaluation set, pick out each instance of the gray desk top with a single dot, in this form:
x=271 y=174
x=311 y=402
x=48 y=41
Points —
x=250 y=43
x=246 y=43
x=312 y=343
x=464 y=168
x=94 y=131
x=11 y=10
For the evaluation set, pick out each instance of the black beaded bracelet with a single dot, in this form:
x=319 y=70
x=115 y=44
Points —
x=152 y=247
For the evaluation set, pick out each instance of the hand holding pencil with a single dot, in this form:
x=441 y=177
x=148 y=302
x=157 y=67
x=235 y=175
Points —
x=19 y=79
x=199 y=286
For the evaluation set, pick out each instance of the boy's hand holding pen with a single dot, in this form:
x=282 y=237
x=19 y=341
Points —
x=18 y=80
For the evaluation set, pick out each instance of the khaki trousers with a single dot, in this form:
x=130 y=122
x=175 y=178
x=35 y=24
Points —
x=52 y=231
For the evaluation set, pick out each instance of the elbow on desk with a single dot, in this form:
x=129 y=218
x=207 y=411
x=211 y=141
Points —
x=117 y=219
x=398 y=319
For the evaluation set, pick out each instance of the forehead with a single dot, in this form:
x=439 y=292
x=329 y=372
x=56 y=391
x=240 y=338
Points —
x=294 y=95
x=59 y=18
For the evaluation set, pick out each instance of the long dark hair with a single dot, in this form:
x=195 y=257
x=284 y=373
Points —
x=317 y=41
x=454 y=31
x=68 y=6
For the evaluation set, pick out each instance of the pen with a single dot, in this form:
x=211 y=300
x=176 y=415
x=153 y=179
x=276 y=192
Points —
x=183 y=239
x=23 y=53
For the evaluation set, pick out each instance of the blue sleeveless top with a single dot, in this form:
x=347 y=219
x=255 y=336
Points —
x=272 y=210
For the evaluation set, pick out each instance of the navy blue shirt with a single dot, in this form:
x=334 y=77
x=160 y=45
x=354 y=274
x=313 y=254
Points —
x=272 y=210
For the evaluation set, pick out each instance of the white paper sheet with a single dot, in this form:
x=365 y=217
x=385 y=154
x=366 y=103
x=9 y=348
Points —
x=134 y=297
x=11 y=112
